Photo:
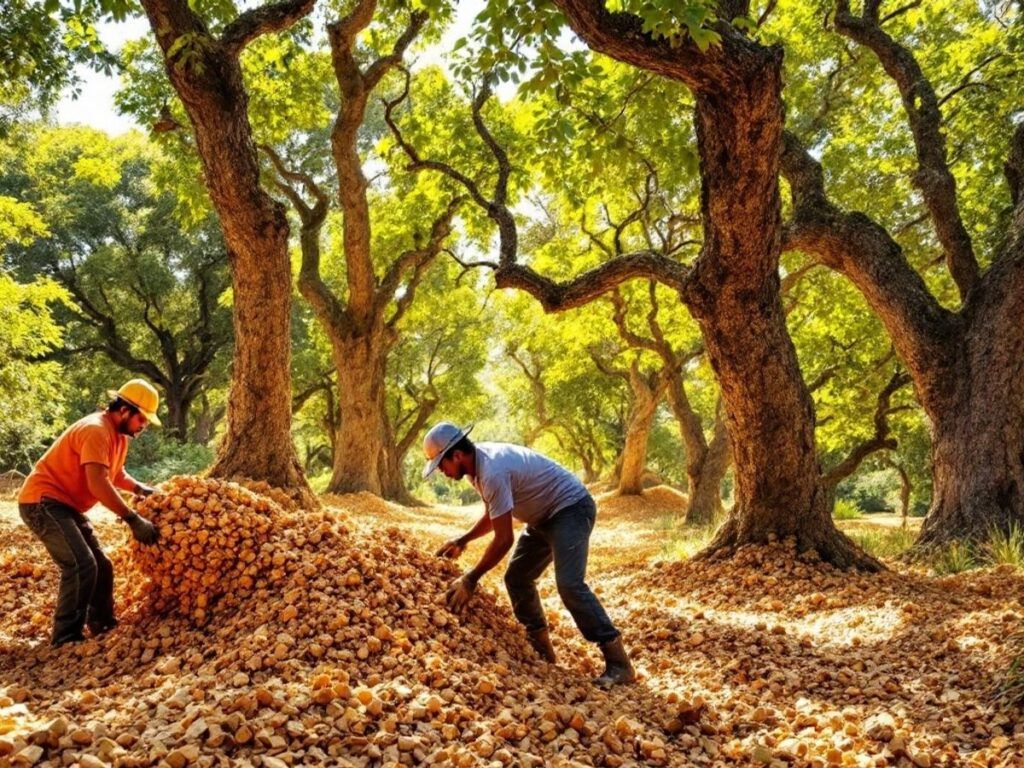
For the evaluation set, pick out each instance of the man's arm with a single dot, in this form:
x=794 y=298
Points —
x=97 y=477
x=497 y=549
x=462 y=588
x=126 y=482
x=453 y=548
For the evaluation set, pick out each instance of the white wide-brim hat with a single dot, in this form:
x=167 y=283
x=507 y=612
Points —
x=438 y=440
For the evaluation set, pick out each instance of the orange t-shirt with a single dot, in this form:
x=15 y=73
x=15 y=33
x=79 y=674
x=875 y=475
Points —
x=60 y=473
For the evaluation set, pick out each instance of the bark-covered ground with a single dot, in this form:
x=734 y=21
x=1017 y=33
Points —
x=344 y=656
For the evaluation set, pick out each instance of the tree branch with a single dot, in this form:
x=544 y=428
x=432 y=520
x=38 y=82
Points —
x=620 y=35
x=879 y=441
x=260 y=21
x=385 y=64
x=933 y=177
x=416 y=259
x=924 y=333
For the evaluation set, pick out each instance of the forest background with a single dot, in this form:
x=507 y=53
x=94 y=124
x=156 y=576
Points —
x=413 y=150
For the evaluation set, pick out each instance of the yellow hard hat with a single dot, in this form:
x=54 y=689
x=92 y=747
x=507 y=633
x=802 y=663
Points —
x=142 y=395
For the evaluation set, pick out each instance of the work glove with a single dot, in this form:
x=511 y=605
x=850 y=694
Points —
x=451 y=549
x=144 y=490
x=460 y=591
x=143 y=530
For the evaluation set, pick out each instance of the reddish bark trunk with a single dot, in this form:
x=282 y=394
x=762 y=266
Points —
x=978 y=431
x=209 y=82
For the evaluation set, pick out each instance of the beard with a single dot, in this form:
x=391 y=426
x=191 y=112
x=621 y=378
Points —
x=124 y=430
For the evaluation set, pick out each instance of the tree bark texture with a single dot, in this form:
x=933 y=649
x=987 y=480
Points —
x=209 y=82
x=978 y=433
x=966 y=366
x=737 y=303
x=733 y=290
x=360 y=361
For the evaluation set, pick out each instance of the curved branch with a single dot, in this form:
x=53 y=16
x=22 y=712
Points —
x=933 y=177
x=416 y=259
x=621 y=35
x=260 y=21
x=924 y=332
x=557 y=296
x=385 y=64
x=879 y=441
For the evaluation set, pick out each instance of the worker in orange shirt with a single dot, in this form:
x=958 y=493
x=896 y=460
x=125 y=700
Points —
x=85 y=466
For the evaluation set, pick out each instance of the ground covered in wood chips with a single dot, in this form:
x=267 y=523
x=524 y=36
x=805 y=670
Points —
x=257 y=634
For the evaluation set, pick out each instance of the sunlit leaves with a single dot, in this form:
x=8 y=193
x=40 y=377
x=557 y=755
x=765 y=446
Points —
x=19 y=222
x=30 y=392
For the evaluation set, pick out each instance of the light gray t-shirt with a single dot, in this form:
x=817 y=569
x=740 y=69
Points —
x=529 y=484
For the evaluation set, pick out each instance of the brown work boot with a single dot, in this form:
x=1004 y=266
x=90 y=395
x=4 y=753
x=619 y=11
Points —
x=617 y=667
x=540 y=639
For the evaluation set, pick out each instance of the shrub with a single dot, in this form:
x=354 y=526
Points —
x=684 y=541
x=155 y=456
x=956 y=558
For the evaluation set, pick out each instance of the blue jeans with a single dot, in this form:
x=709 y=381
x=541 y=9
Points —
x=565 y=539
x=86 y=574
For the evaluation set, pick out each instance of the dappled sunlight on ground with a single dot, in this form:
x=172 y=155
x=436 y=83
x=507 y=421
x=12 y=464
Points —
x=767 y=658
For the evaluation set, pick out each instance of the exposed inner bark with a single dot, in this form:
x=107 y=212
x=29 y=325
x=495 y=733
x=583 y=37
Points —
x=646 y=394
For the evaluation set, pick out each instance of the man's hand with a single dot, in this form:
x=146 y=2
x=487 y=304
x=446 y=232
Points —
x=451 y=549
x=143 y=490
x=460 y=591
x=143 y=530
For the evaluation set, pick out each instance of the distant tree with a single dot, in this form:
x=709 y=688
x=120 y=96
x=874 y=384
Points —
x=146 y=292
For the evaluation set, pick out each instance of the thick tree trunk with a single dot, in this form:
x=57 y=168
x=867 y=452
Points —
x=362 y=433
x=978 y=433
x=392 y=481
x=258 y=442
x=733 y=290
x=779 y=492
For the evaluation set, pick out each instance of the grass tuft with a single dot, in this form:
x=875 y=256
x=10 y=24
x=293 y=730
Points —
x=1006 y=548
x=845 y=509
x=1011 y=688
x=684 y=541
x=955 y=558
x=884 y=543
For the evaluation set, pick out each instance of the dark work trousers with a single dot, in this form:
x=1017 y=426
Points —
x=565 y=539
x=86 y=575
